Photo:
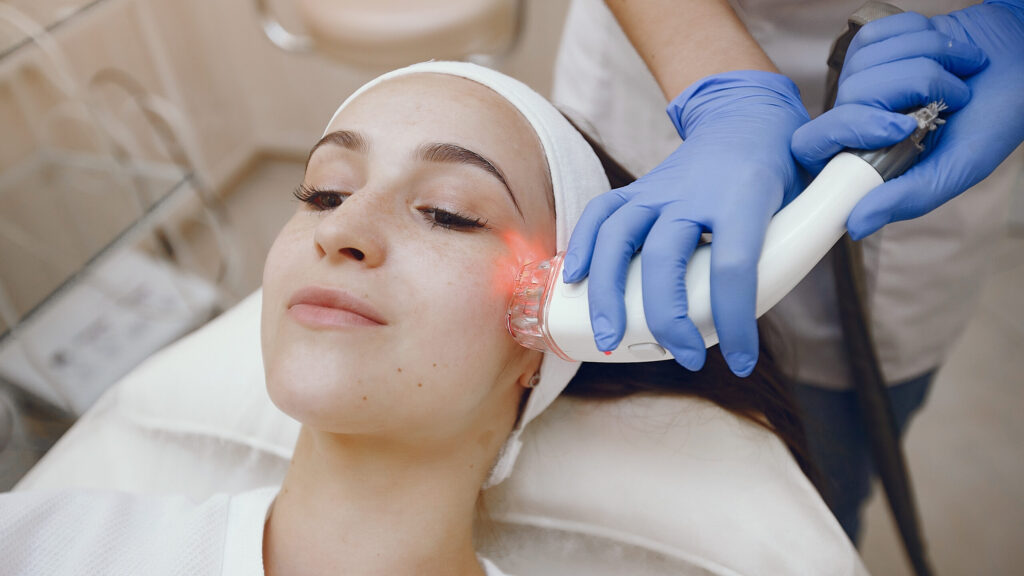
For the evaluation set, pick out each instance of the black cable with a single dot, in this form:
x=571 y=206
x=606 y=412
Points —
x=869 y=383
x=873 y=399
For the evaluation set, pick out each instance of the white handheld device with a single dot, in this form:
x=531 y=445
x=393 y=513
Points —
x=547 y=314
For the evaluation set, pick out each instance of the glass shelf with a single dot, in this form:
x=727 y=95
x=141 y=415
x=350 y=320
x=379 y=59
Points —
x=94 y=270
x=50 y=14
x=61 y=212
x=93 y=294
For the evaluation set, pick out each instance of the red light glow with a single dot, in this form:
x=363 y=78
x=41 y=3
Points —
x=521 y=251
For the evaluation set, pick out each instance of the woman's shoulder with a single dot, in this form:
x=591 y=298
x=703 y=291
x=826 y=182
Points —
x=87 y=532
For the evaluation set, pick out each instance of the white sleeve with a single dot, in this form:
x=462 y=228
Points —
x=70 y=533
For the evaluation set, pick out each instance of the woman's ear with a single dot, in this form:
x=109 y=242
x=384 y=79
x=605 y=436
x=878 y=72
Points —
x=530 y=376
x=532 y=382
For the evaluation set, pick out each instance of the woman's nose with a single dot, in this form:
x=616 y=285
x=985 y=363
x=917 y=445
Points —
x=352 y=231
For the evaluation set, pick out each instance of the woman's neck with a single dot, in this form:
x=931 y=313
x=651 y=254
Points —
x=366 y=506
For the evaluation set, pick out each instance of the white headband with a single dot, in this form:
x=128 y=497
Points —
x=576 y=177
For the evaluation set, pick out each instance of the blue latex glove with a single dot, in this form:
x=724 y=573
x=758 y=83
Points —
x=731 y=174
x=973 y=59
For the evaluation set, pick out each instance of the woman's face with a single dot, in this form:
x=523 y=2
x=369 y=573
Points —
x=384 y=296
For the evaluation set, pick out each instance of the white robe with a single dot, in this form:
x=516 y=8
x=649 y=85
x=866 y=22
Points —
x=116 y=533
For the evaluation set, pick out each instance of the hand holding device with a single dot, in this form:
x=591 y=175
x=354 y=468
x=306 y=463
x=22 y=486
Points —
x=548 y=314
x=971 y=59
x=731 y=173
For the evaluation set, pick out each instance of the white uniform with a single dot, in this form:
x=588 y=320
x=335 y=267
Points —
x=924 y=276
x=114 y=533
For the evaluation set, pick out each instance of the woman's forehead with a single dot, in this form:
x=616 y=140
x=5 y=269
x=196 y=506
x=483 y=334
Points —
x=424 y=108
x=444 y=105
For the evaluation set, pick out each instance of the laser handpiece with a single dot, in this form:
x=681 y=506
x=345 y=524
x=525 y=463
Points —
x=549 y=315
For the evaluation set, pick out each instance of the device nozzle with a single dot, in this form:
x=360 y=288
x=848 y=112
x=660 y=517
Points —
x=527 y=308
x=894 y=160
x=927 y=121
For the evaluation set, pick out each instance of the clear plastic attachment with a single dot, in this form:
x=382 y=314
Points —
x=528 y=307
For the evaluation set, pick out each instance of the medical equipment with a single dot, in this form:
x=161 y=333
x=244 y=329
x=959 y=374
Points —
x=549 y=315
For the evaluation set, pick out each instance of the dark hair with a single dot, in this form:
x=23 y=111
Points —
x=764 y=397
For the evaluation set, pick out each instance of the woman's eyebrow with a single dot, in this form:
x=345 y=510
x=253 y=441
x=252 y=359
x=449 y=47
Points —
x=354 y=141
x=453 y=153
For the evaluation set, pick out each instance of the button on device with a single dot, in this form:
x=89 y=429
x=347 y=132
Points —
x=647 y=351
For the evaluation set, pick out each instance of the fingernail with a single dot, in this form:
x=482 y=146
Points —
x=863 y=230
x=978 y=54
x=603 y=336
x=692 y=360
x=569 y=265
x=740 y=363
x=857 y=226
x=907 y=124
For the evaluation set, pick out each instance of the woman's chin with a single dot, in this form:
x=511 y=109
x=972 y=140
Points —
x=330 y=406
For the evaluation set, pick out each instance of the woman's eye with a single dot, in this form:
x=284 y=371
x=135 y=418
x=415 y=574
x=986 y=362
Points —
x=319 y=199
x=452 y=220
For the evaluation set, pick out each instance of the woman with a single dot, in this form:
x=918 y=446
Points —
x=399 y=262
x=384 y=334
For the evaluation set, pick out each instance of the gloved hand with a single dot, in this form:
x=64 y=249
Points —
x=730 y=175
x=905 y=61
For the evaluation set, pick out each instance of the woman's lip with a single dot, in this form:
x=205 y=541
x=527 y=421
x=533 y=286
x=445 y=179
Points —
x=333 y=307
x=320 y=316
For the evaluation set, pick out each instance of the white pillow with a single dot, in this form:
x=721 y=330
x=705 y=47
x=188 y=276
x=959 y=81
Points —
x=655 y=479
x=211 y=383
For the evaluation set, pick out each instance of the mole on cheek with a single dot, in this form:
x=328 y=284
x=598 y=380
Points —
x=399 y=369
x=419 y=384
x=364 y=397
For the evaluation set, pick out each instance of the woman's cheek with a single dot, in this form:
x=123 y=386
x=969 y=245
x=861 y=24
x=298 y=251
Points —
x=481 y=294
x=284 y=261
x=289 y=241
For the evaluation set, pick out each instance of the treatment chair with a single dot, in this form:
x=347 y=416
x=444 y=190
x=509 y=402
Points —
x=638 y=486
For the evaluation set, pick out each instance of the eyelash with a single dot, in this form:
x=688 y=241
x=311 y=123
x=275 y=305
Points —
x=437 y=217
x=314 y=197
x=453 y=220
